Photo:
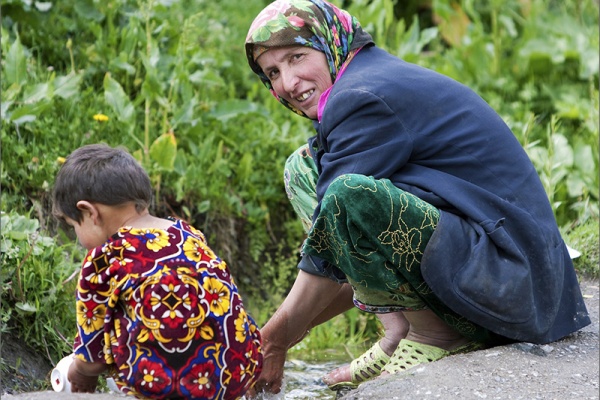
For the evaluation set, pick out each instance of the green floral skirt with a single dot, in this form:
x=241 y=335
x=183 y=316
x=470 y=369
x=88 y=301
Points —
x=376 y=234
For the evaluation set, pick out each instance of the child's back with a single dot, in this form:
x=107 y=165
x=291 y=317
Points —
x=174 y=317
x=154 y=302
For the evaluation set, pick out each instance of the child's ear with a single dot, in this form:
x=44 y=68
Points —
x=88 y=208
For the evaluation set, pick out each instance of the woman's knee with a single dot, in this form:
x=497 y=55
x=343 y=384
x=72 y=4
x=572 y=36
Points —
x=353 y=187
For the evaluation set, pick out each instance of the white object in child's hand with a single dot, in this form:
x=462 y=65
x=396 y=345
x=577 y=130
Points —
x=60 y=382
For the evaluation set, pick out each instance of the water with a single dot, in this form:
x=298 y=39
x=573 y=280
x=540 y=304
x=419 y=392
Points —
x=302 y=381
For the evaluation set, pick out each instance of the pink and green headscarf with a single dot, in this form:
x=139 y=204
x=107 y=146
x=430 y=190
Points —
x=311 y=23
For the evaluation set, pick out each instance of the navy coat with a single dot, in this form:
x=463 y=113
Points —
x=496 y=256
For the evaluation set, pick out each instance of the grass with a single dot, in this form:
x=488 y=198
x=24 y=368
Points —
x=585 y=239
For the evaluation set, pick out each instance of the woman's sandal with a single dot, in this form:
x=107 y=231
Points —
x=409 y=354
x=368 y=366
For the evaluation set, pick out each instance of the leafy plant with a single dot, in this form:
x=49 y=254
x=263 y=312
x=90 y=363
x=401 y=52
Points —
x=37 y=286
x=585 y=238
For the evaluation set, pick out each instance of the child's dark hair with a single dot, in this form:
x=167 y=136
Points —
x=101 y=174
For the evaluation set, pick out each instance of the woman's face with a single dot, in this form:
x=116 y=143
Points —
x=298 y=74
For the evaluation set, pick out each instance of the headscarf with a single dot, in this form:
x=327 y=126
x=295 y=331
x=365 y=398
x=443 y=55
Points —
x=312 y=23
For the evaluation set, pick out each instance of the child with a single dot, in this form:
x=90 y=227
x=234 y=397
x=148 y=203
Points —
x=155 y=306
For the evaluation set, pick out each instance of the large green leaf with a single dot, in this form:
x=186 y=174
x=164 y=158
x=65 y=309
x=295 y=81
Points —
x=29 y=112
x=38 y=92
x=164 y=150
x=67 y=86
x=15 y=68
x=118 y=101
x=232 y=108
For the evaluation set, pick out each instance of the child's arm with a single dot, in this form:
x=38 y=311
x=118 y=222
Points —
x=84 y=375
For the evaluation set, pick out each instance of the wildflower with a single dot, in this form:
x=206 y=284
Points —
x=100 y=118
x=61 y=160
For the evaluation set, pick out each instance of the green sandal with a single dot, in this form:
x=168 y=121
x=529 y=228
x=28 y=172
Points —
x=409 y=354
x=368 y=366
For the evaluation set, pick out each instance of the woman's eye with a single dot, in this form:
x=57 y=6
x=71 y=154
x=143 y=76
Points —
x=272 y=74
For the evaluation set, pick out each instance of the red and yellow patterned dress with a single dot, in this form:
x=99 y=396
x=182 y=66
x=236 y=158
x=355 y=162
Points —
x=164 y=310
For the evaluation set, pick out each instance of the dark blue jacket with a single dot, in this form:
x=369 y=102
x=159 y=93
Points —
x=496 y=256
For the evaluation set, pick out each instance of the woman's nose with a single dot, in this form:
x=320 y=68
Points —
x=289 y=81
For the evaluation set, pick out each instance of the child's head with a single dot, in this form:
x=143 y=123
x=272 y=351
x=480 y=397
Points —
x=100 y=174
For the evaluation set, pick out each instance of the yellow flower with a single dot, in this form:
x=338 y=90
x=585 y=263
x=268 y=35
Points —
x=241 y=322
x=155 y=239
x=61 y=160
x=90 y=319
x=194 y=249
x=100 y=118
x=218 y=296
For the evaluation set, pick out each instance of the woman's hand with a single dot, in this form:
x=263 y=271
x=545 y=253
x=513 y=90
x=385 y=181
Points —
x=271 y=377
x=310 y=302
x=84 y=376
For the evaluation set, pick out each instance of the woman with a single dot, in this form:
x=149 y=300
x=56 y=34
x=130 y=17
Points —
x=420 y=204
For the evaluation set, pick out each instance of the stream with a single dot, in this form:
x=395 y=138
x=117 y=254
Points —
x=302 y=380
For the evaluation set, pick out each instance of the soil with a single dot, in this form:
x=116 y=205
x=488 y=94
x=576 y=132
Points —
x=563 y=370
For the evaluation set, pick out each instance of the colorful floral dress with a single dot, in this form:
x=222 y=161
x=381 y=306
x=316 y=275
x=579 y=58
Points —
x=164 y=310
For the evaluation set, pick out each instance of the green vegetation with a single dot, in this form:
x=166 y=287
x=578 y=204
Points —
x=585 y=238
x=168 y=80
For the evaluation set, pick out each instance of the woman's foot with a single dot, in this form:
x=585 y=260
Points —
x=396 y=327
x=429 y=339
x=427 y=328
x=366 y=367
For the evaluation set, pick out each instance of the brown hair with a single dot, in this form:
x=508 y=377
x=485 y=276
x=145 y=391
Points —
x=101 y=174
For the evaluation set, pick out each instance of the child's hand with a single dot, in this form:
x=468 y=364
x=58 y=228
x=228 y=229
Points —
x=84 y=376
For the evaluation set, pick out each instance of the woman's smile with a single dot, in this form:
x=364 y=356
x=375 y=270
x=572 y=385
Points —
x=305 y=96
x=298 y=74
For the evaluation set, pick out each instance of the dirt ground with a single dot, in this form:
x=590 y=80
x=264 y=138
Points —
x=563 y=370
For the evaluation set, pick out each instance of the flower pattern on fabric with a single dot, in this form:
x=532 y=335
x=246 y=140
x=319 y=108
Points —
x=199 y=381
x=90 y=315
x=242 y=326
x=217 y=295
x=195 y=248
x=162 y=308
x=152 y=377
x=154 y=239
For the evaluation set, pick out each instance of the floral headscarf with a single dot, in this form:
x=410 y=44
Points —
x=311 y=23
